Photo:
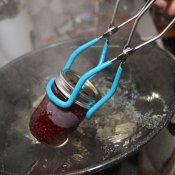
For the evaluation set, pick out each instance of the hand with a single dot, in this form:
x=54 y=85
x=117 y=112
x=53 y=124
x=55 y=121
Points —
x=167 y=5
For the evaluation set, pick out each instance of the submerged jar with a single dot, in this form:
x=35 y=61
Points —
x=51 y=124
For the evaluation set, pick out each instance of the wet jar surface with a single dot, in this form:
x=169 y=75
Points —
x=51 y=124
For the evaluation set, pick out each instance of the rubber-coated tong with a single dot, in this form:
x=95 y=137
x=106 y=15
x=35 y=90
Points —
x=103 y=64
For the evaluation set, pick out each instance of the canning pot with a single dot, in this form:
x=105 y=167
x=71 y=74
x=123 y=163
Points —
x=142 y=106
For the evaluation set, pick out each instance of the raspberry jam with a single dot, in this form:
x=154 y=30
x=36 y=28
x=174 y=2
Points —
x=51 y=124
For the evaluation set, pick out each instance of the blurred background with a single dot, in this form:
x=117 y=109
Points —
x=26 y=25
x=29 y=24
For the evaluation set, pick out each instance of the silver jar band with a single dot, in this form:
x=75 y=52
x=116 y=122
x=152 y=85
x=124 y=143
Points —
x=66 y=84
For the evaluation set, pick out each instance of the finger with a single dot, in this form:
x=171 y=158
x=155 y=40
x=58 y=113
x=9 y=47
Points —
x=162 y=4
x=171 y=8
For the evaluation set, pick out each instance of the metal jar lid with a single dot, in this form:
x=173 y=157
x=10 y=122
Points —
x=66 y=83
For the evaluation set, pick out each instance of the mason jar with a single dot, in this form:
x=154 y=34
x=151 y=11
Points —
x=51 y=124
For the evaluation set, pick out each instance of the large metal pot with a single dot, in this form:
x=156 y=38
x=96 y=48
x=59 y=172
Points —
x=143 y=105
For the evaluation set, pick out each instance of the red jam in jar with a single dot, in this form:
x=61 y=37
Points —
x=51 y=124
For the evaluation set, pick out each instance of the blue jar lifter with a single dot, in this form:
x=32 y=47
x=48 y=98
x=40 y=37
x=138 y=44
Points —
x=127 y=51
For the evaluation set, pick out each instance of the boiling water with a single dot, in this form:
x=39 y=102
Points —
x=112 y=130
x=123 y=116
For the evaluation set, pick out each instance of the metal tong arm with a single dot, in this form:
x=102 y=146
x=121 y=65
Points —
x=112 y=30
x=115 y=29
x=114 y=13
x=158 y=36
x=94 y=41
x=148 y=5
x=106 y=45
x=129 y=51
